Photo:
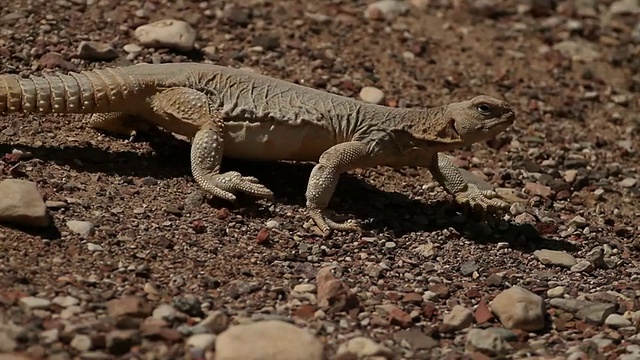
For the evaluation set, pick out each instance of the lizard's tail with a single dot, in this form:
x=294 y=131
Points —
x=86 y=92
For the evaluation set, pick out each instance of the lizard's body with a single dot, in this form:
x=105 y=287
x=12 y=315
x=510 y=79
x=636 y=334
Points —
x=240 y=114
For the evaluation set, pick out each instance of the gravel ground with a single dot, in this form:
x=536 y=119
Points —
x=139 y=264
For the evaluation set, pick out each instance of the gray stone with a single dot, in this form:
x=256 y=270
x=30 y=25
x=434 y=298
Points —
x=22 y=204
x=487 y=342
x=518 y=308
x=364 y=348
x=82 y=228
x=589 y=311
x=554 y=257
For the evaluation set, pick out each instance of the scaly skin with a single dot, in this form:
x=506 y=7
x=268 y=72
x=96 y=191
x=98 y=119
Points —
x=240 y=114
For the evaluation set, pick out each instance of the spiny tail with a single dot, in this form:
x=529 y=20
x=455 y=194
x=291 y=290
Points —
x=96 y=91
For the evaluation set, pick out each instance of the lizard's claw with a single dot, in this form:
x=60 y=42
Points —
x=327 y=225
x=483 y=201
x=224 y=185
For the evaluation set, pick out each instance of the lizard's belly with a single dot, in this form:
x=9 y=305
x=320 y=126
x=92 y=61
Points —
x=276 y=141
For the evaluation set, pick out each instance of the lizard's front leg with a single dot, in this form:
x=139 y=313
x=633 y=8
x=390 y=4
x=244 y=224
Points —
x=185 y=108
x=448 y=175
x=324 y=178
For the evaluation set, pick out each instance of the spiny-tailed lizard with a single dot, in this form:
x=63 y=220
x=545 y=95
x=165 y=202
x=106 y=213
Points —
x=239 y=114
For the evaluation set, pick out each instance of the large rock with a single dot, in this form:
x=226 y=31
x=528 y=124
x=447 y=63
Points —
x=168 y=33
x=267 y=340
x=22 y=204
x=518 y=308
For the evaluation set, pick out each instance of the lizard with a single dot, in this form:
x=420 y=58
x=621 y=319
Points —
x=240 y=114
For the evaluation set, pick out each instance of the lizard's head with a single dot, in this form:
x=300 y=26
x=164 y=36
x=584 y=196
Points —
x=477 y=119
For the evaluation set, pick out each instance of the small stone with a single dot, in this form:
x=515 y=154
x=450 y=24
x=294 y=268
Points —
x=201 y=341
x=128 y=305
x=579 y=222
x=518 y=308
x=468 y=267
x=625 y=7
x=94 y=247
x=459 y=318
x=538 y=189
x=372 y=95
x=385 y=10
x=486 y=342
x=168 y=33
x=582 y=266
x=164 y=312
x=132 y=48
x=427 y=250
x=284 y=341
x=30 y=303
x=482 y=314
x=617 y=321
x=7 y=343
x=304 y=288
x=65 y=301
x=333 y=294
x=589 y=311
x=272 y=224
x=554 y=257
x=415 y=339
x=82 y=228
x=628 y=183
x=556 y=292
x=81 y=342
x=363 y=348
x=22 y=204
x=596 y=257
x=93 y=50
x=577 y=50
x=216 y=322
x=119 y=342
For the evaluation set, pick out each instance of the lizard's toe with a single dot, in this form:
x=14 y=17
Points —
x=327 y=225
x=483 y=202
x=224 y=185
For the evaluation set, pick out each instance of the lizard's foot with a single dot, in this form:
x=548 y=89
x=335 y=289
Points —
x=224 y=185
x=326 y=225
x=483 y=201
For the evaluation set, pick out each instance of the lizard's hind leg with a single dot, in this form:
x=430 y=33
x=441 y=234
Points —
x=118 y=123
x=184 y=107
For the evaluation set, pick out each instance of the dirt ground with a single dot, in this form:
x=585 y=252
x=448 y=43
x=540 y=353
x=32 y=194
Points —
x=570 y=70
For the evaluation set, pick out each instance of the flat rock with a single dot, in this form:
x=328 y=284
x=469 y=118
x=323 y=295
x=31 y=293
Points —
x=385 y=10
x=577 y=50
x=589 y=311
x=459 y=318
x=82 y=228
x=518 y=308
x=415 y=339
x=267 y=340
x=22 y=204
x=371 y=95
x=554 y=257
x=487 y=342
x=168 y=33
x=364 y=348
x=34 y=303
x=617 y=321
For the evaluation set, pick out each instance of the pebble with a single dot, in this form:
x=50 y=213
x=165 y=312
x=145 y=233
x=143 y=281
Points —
x=427 y=250
x=272 y=224
x=82 y=228
x=93 y=50
x=487 y=342
x=624 y=7
x=617 y=321
x=168 y=33
x=582 y=266
x=628 y=182
x=304 y=288
x=22 y=204
x=164 y=312
x=385 y=9
x=363 y=348
x=414 y=339
x=94 y=247
x=216 y=322
x=132 y=48
x=33 y=303
x=554 y=257
x=577 y=51
x=556 y=292
x=81 y=342
x=372 y=95
x=201 y=341
x=65 y=301
x=459 y=318
x=519 y=308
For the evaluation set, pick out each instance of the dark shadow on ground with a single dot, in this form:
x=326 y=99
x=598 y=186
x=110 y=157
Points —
x=377 y=210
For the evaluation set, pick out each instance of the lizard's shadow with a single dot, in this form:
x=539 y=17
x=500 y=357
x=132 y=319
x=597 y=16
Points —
x=378 y=210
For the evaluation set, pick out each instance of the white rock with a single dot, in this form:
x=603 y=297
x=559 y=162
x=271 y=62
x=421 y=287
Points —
x=518 y=308
x=578 y=51
x=371 y=94
x=65 y=301
x=267 y=340
x=132 y=48
x=385 y=9
x=364 y=348
x=83 y=228
x=617 y=321
x=459 y=318
x=81 y=342
x=304 y=288
x=555 y=257
x=33 y=303
x=22 y=204
x=556 y=292
x=168 y=33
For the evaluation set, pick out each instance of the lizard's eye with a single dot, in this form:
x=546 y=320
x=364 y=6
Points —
x=484 y=109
